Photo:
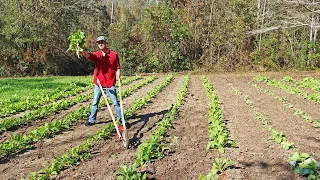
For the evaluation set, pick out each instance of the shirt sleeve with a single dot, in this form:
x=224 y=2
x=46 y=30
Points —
x=92 y=56
x=117 y=62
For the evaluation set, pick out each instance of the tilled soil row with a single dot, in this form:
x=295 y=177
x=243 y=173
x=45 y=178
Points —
x=33 y=160
x=110 y=155
x=188 y=158
x=298 y=131
x=310 y=107
x=256 y=157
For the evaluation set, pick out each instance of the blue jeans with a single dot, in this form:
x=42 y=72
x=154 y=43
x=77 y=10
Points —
x=112 y=93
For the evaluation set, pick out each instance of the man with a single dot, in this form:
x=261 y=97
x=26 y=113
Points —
x=107 y=70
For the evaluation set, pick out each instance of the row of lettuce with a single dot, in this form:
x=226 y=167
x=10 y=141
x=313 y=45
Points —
x=219 y=137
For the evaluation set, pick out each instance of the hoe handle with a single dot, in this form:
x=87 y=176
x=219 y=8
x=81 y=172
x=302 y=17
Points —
x=106 y=99
x=121 y=107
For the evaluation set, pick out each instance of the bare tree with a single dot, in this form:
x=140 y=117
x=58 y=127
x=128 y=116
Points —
x=288 y=14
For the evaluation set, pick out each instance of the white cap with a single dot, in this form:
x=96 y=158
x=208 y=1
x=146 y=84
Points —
x=101 y=38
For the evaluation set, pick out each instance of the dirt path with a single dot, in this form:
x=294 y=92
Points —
x=23 y=164
x=189 y=157
x=303 y=133
x=305 y=137
x=310 y=107
x=257 y=158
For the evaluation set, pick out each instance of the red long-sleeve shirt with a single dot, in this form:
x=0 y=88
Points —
x=105 y=67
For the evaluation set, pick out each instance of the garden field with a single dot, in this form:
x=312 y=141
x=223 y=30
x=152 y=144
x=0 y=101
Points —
x=183 y=126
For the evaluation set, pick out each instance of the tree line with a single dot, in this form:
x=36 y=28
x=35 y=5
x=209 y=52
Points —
x=160 y=35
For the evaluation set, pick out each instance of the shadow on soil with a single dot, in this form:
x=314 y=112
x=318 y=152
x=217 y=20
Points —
x=280 y=166
x=6 y=159
x=315 y=140
x=135 y=140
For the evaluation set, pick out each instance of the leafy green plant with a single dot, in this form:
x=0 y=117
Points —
x=288 y=79
x=259 y=116
x=307 y=82
x=311 y=83
x=287 y=145
x=219 y=165
x=129 y=173
x=218 y=134
x=153 y=148
x=280 y=138
x=77 y=41
x=305 y=165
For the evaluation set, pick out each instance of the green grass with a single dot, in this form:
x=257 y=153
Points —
x=17 y=89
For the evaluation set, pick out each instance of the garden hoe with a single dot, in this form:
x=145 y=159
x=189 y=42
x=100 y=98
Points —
x=121 y=131
x=124 y=131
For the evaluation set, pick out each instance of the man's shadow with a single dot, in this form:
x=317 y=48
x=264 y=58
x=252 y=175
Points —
x=135 y=140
